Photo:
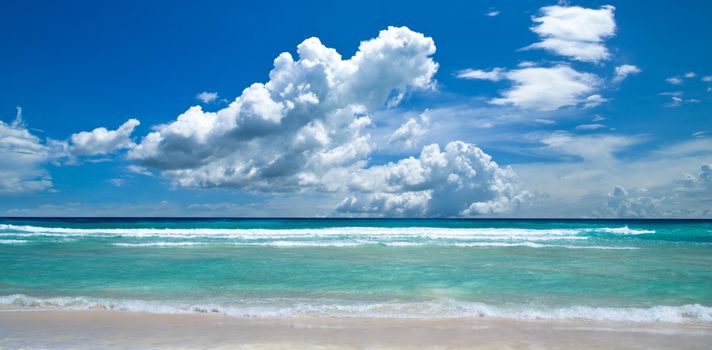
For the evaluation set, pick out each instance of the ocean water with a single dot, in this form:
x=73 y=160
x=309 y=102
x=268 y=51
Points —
x=613 y=270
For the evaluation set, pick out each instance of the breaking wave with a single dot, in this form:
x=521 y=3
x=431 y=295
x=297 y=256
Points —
x=691 y=313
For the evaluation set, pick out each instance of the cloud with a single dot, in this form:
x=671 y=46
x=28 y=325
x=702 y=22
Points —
x=410 y=133
x=22 y=159
x=575 y=32
x=687 y=197
x=542 y=88
x=492 y=13
x=135 y=169
x=698 y=145
x=460 y=180
x=597 y=148
x=594 y=100
x=307 y=130
x=310 y=118
x=24 y=156
x=101 y=141
x=207 y=97
x=621 y=204
x=679 y=79
x=495 y=74
x=674 y=80
x=550 y=88
x=117 y=182
x=707 y=78
x=594 y=126
x=624 y=71
x=582 y=165
x=677 y=99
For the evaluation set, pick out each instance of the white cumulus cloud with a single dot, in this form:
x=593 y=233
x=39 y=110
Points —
x=575 y=32
x=311 y=117
x=460 y=180
x=101 y=141
x=307 y=129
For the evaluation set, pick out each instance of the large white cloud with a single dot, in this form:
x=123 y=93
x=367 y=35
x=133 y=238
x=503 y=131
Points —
x=575 y=32
x=307 y=129
x=101 y=141
x=460 y=180
x=310 y=117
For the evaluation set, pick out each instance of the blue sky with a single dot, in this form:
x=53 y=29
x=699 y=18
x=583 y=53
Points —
x=449 y=109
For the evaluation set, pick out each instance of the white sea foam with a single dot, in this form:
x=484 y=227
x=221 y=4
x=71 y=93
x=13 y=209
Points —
x=447 y=309
x=439 y=232
x=625 y=230
x=12 y=241
x=357 y=243
x=539 y=245
x=254 y=233
x=158 y=244
x=326 y=237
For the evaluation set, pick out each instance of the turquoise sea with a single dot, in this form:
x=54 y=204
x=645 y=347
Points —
x=614 y=270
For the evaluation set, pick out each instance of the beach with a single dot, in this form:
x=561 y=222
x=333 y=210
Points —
x=101 y=329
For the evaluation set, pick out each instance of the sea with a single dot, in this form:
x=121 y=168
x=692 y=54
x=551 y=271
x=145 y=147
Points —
x=652 y=271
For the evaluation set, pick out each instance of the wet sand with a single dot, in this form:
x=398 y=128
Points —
x=99 y=329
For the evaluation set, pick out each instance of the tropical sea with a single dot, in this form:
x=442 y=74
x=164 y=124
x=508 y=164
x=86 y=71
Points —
x=657 y=271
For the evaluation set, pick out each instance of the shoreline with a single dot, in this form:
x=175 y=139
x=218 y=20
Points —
x=106 y=329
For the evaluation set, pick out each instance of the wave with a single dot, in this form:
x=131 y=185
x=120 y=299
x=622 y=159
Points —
x=567 y=238
x=538 y=245
x=690 y=313
x=257 y=233
x=12 y=241
x=625 y=230
x=158 y=244
x=318 y=244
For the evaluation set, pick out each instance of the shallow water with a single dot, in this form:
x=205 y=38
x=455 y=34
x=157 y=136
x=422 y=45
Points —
x=638 y=271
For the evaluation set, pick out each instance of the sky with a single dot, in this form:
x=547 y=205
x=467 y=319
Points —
x=315 y=109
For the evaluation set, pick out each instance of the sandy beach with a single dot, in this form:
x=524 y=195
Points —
x=99 y=329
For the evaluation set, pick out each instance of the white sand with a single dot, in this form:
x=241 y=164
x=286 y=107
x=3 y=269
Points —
x=126 y=330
